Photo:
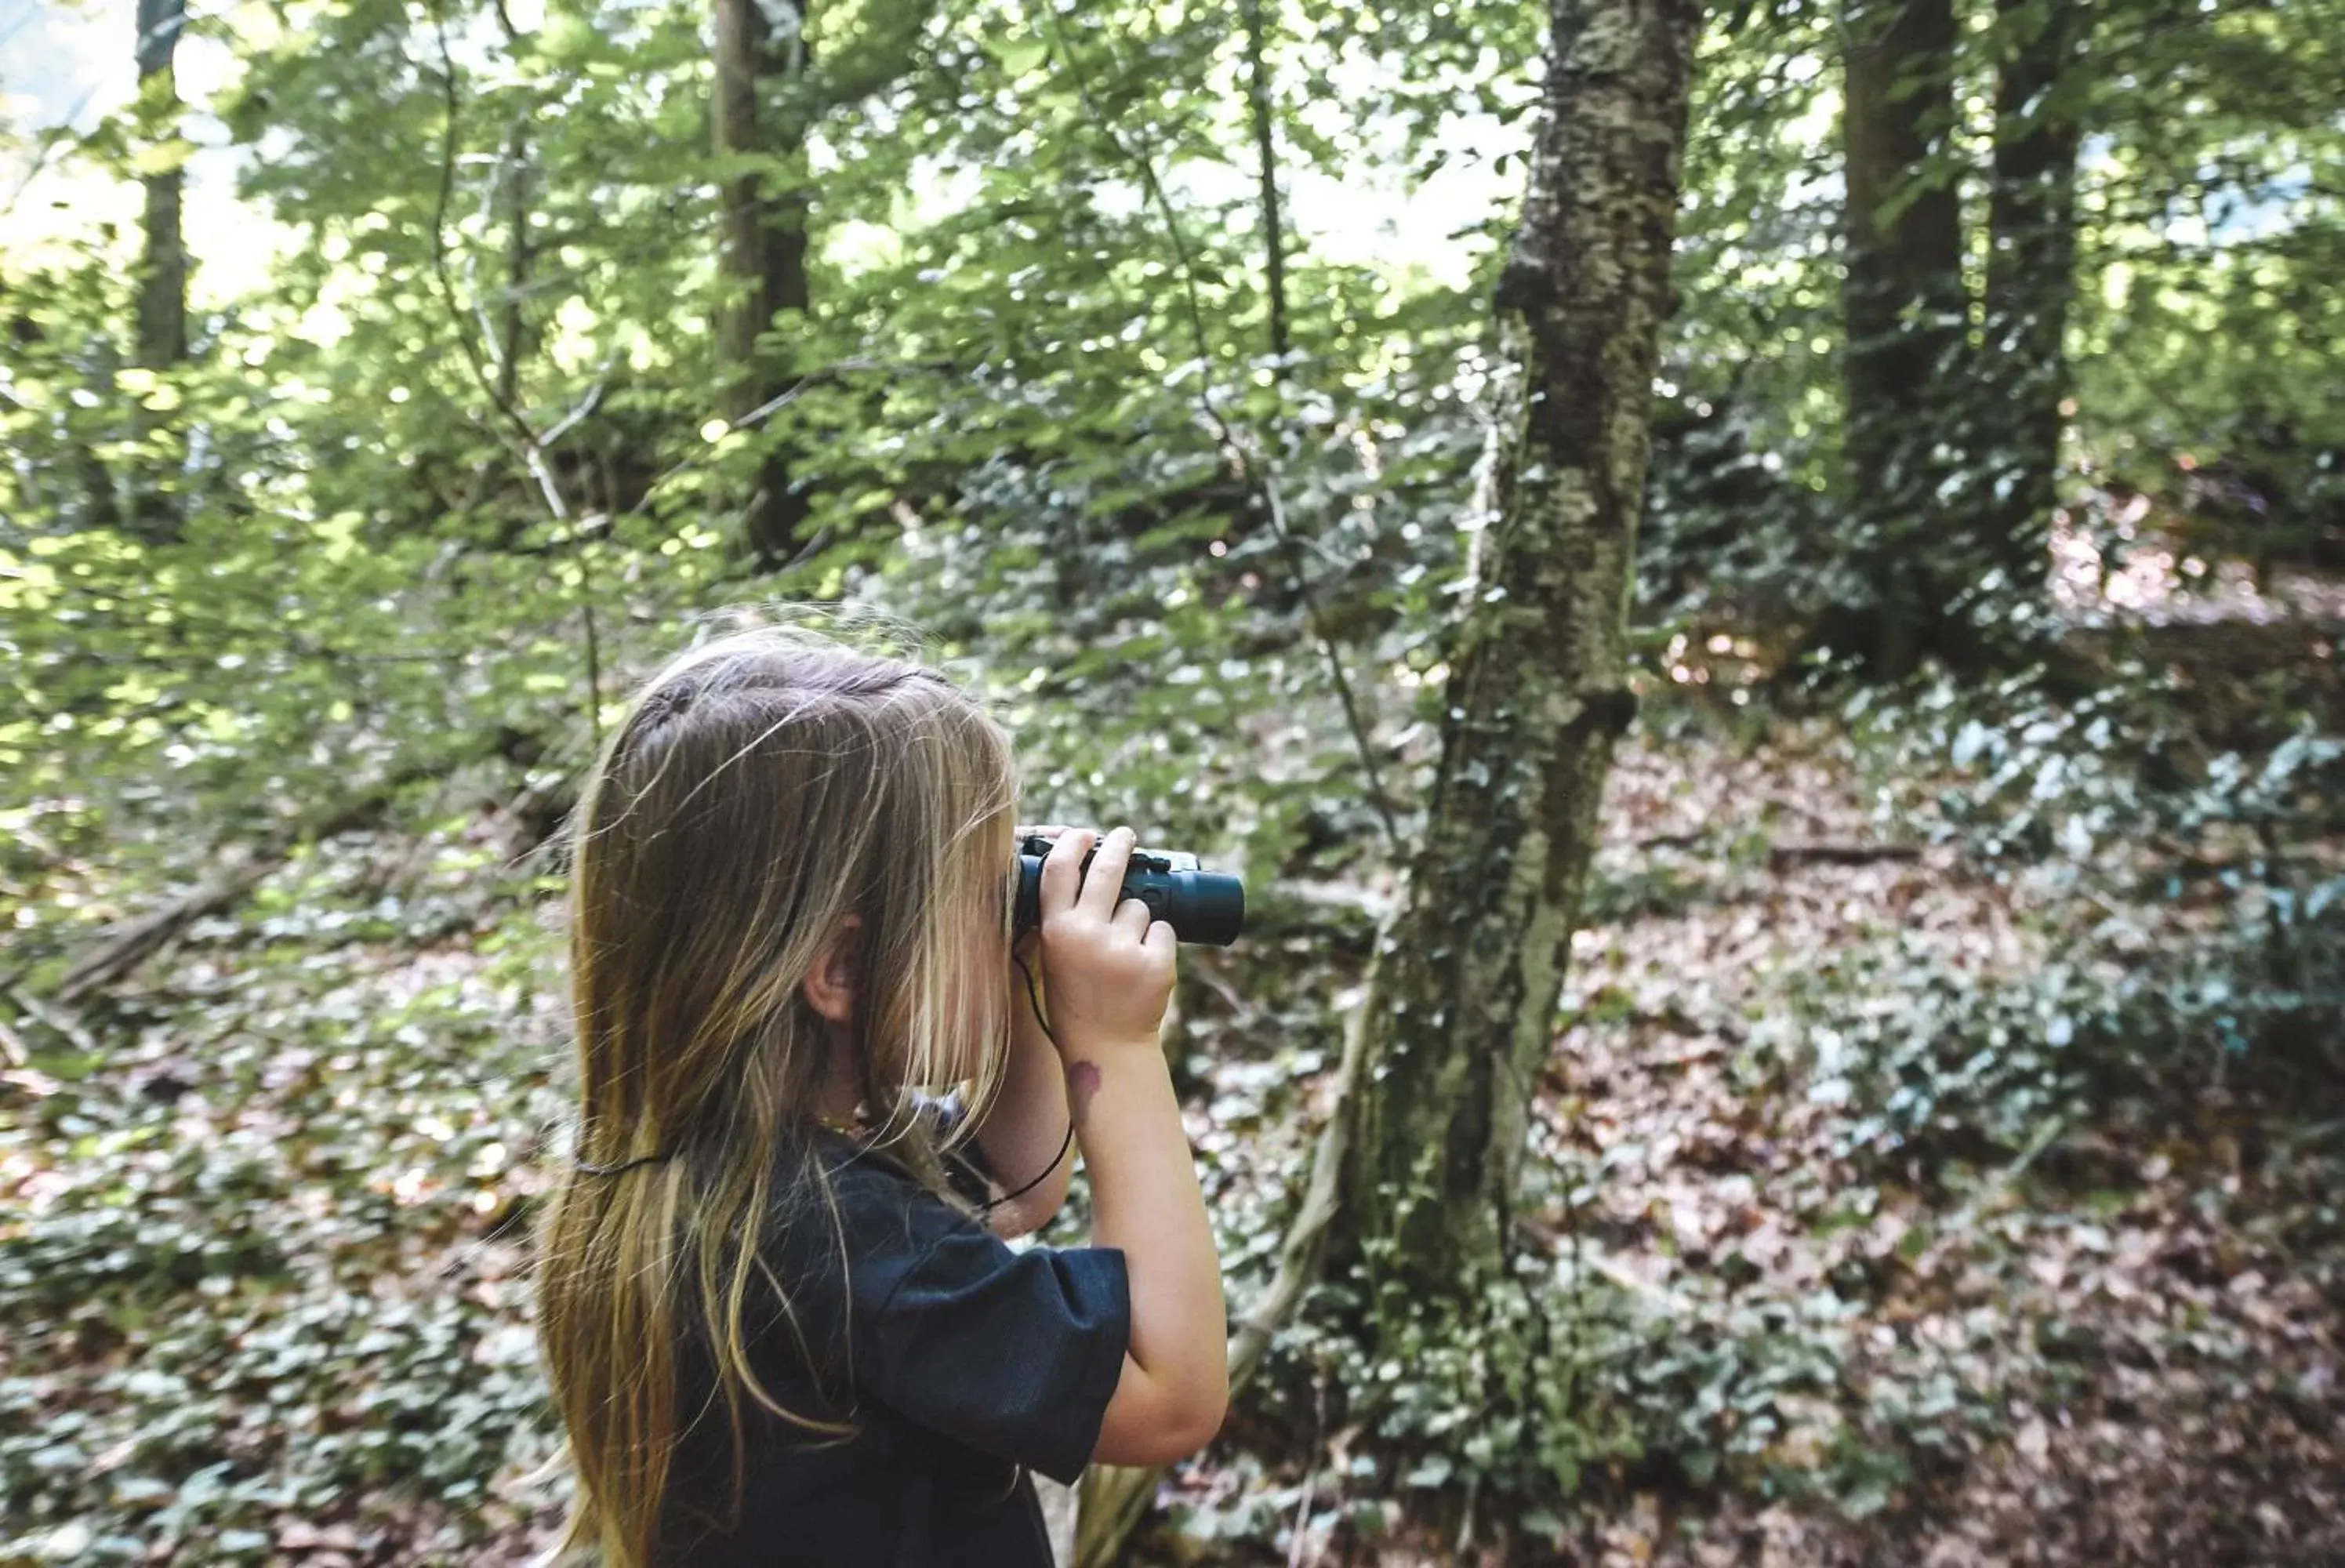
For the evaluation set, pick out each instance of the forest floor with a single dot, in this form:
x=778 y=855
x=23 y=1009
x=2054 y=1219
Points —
x=2119 y=1347
x=262 y=1289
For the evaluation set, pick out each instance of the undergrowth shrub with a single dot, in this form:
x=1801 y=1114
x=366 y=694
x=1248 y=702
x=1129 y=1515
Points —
x=2185 y=880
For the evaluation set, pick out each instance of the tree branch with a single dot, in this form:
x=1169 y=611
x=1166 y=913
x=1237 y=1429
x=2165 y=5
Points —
x=1249 y=457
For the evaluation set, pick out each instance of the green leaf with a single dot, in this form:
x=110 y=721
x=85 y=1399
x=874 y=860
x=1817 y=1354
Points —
x=1019 y=56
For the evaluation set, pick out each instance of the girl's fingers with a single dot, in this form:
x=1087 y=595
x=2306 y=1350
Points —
x=1062 y=869
x=1104 y=883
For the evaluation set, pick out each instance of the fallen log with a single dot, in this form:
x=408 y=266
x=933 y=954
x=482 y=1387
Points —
x=132 y=944
x=1785 y=857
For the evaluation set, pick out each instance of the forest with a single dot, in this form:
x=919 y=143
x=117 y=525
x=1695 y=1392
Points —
x=1752 y=587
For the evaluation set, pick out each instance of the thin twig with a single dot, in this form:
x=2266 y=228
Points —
x=1251 y=458
x=60 y=1023
x=450 y=111
x=791 y=394
x=1310 y=1473
x=55 y=138
x=529 y=446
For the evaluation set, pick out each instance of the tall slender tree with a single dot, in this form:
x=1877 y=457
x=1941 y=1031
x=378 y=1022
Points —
x=1418 y=1166
x=2023 y=372
x=1905 y=309
x=161 y=338
x=1265 y=147
x=163 y=271
x=761 y=52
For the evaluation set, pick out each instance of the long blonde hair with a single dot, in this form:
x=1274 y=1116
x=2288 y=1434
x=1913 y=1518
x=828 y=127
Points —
x=765 y=786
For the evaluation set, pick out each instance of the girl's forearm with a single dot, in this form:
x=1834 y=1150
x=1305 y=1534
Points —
x=1145 y=1200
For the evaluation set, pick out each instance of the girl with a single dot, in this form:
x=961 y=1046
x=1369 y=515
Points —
x=780 y=1324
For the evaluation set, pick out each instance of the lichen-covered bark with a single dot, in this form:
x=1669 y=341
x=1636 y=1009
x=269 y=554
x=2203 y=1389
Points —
x=1416 y=1170
x=1462 y=1010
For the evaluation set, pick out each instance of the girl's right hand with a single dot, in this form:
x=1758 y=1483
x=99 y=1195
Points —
x=1107 y=968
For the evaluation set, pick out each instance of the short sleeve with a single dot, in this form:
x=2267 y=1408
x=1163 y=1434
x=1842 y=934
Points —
x=1014 y=1353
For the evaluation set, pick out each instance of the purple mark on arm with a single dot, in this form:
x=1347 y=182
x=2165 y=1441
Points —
x=1082 y=1082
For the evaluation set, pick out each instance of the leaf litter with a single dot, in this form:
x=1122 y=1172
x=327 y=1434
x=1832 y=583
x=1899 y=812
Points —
x=263 y=1269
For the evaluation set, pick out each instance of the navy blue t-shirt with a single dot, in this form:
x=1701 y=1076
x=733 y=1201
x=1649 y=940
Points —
x=965 y=1363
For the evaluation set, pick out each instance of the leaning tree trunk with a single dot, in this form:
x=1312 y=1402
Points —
x=761 y=264
x=162 y=334
x=2023 y=375
x=1462 y=1016
x=1904 y=306
x=1433 y=1096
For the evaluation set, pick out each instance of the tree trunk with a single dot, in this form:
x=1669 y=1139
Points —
x=1266 y=164
x=2031 y=277
x=513 y=338
x=1461 y=1018
x=1416 y=1163
x=162 y=327
x=762 y=263
x=1905 y=306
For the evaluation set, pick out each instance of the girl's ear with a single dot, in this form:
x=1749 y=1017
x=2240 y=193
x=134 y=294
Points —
x=830 y=983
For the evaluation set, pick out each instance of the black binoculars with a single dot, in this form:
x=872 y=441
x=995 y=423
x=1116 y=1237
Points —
x=1205 y=907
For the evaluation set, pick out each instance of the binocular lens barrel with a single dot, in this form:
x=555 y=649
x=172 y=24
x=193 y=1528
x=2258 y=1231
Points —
x=1202 y=906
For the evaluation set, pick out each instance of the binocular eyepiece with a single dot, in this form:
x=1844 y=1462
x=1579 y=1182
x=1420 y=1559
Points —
x=1203 y=906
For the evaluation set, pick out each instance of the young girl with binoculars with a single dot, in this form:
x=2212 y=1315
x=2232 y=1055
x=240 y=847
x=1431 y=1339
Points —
x=819 y=1084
